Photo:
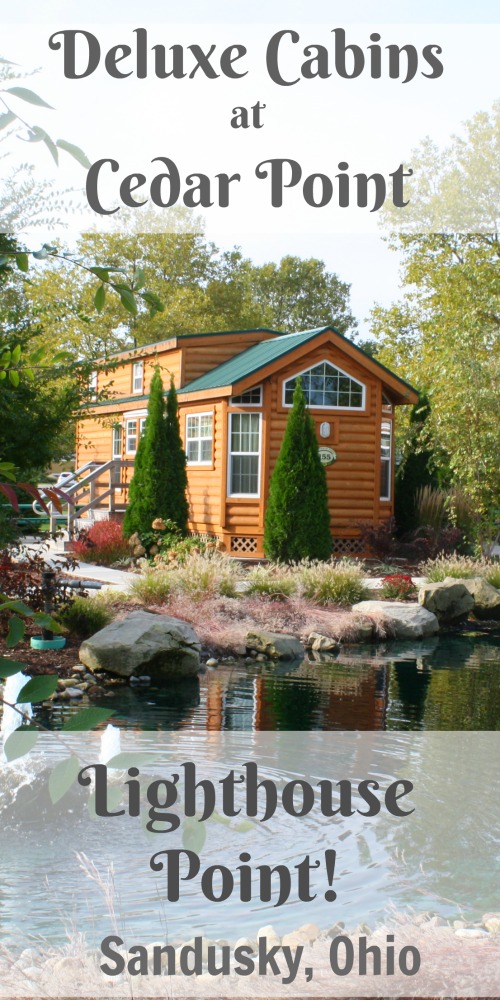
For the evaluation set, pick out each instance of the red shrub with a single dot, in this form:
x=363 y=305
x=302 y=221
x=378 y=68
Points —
x=102 y=544
x=398 y=587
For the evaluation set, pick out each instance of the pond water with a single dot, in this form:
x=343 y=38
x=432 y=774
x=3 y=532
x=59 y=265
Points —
x=446 y=683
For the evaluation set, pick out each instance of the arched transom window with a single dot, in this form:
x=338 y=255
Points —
x=327 y=388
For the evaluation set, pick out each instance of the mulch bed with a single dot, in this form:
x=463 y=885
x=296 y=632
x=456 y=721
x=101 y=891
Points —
x=46 y=661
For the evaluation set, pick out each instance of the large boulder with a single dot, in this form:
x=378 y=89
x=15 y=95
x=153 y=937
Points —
x=405 y=621
x=486 y=597
x=274 y=645
x=449 y=600
x=144 y=643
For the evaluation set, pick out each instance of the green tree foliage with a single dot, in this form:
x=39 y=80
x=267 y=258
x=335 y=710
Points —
x=201 y=287
x=150 y=482
x=297 y=523
x=301 y=294
x=177 y=498
x=444 y=336
x=159 y=481
x=417 y=468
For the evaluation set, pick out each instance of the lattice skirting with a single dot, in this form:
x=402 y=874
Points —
x=348 y=547
x=244 y=544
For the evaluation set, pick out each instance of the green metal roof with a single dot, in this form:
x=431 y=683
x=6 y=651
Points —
x=249 y=361
x=260 y=355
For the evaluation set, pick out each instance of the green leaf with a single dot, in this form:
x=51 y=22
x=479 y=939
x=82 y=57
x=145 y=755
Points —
x=61 y=357
x=100 y=298
x=14 y=378
x=88 y=718
x=139 y=279
x=127 y=298
x=100 y=272
x=52 y=148
x=5 y=359
x=194 y=835
x=22 y=261
x=20 y=742
x=7 y=469
x=10 y=667
x=41 y=254
x=7 y=119
x=38 y=689
x=37 y=355
x=28 y=95
x=15 y=633
x=16 y=354
x=75 y=152
x=45 y=621
x=14 y=605
x=155 y=304
x=122 y=761
x=35 y=135
x=62 y=777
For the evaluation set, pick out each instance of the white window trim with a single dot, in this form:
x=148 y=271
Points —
x=116 y=454
x=254 y=387
x=131 y=420
x=248 y=496
x=195 y=465
x=351 y=409
x=387 y=425
x=137 y=364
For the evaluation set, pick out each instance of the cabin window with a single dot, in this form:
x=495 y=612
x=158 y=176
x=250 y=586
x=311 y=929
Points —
x=385 y=460
x=93 y=384
x=138 y=376
x=117 y=441
x=244 y=455
x=252 y=397
x=134 y=429
x=327 y=388
x=199 y=434
x=131 y=437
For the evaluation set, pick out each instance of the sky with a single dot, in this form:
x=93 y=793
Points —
x=376 y=124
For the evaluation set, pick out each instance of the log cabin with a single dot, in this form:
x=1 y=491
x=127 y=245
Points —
x=235 y=392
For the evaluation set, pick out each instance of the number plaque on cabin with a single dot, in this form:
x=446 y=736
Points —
x=327 y=455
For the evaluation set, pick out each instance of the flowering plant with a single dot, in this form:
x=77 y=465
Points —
x=398 y=587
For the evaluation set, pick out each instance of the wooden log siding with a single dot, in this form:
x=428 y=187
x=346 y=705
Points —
x=202 y=354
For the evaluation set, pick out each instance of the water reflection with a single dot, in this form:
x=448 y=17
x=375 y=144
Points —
x=446 y=683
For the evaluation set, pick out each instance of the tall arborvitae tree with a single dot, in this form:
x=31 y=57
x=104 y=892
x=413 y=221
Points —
x=149 y=488
x=297 y=524
x=176 y=503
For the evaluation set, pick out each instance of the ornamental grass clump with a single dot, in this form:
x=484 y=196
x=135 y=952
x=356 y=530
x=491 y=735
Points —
x=461 y=567
x=208 y=574
x=84 y=616
x=276 y=581
x=154 y=587
x=339 y=582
